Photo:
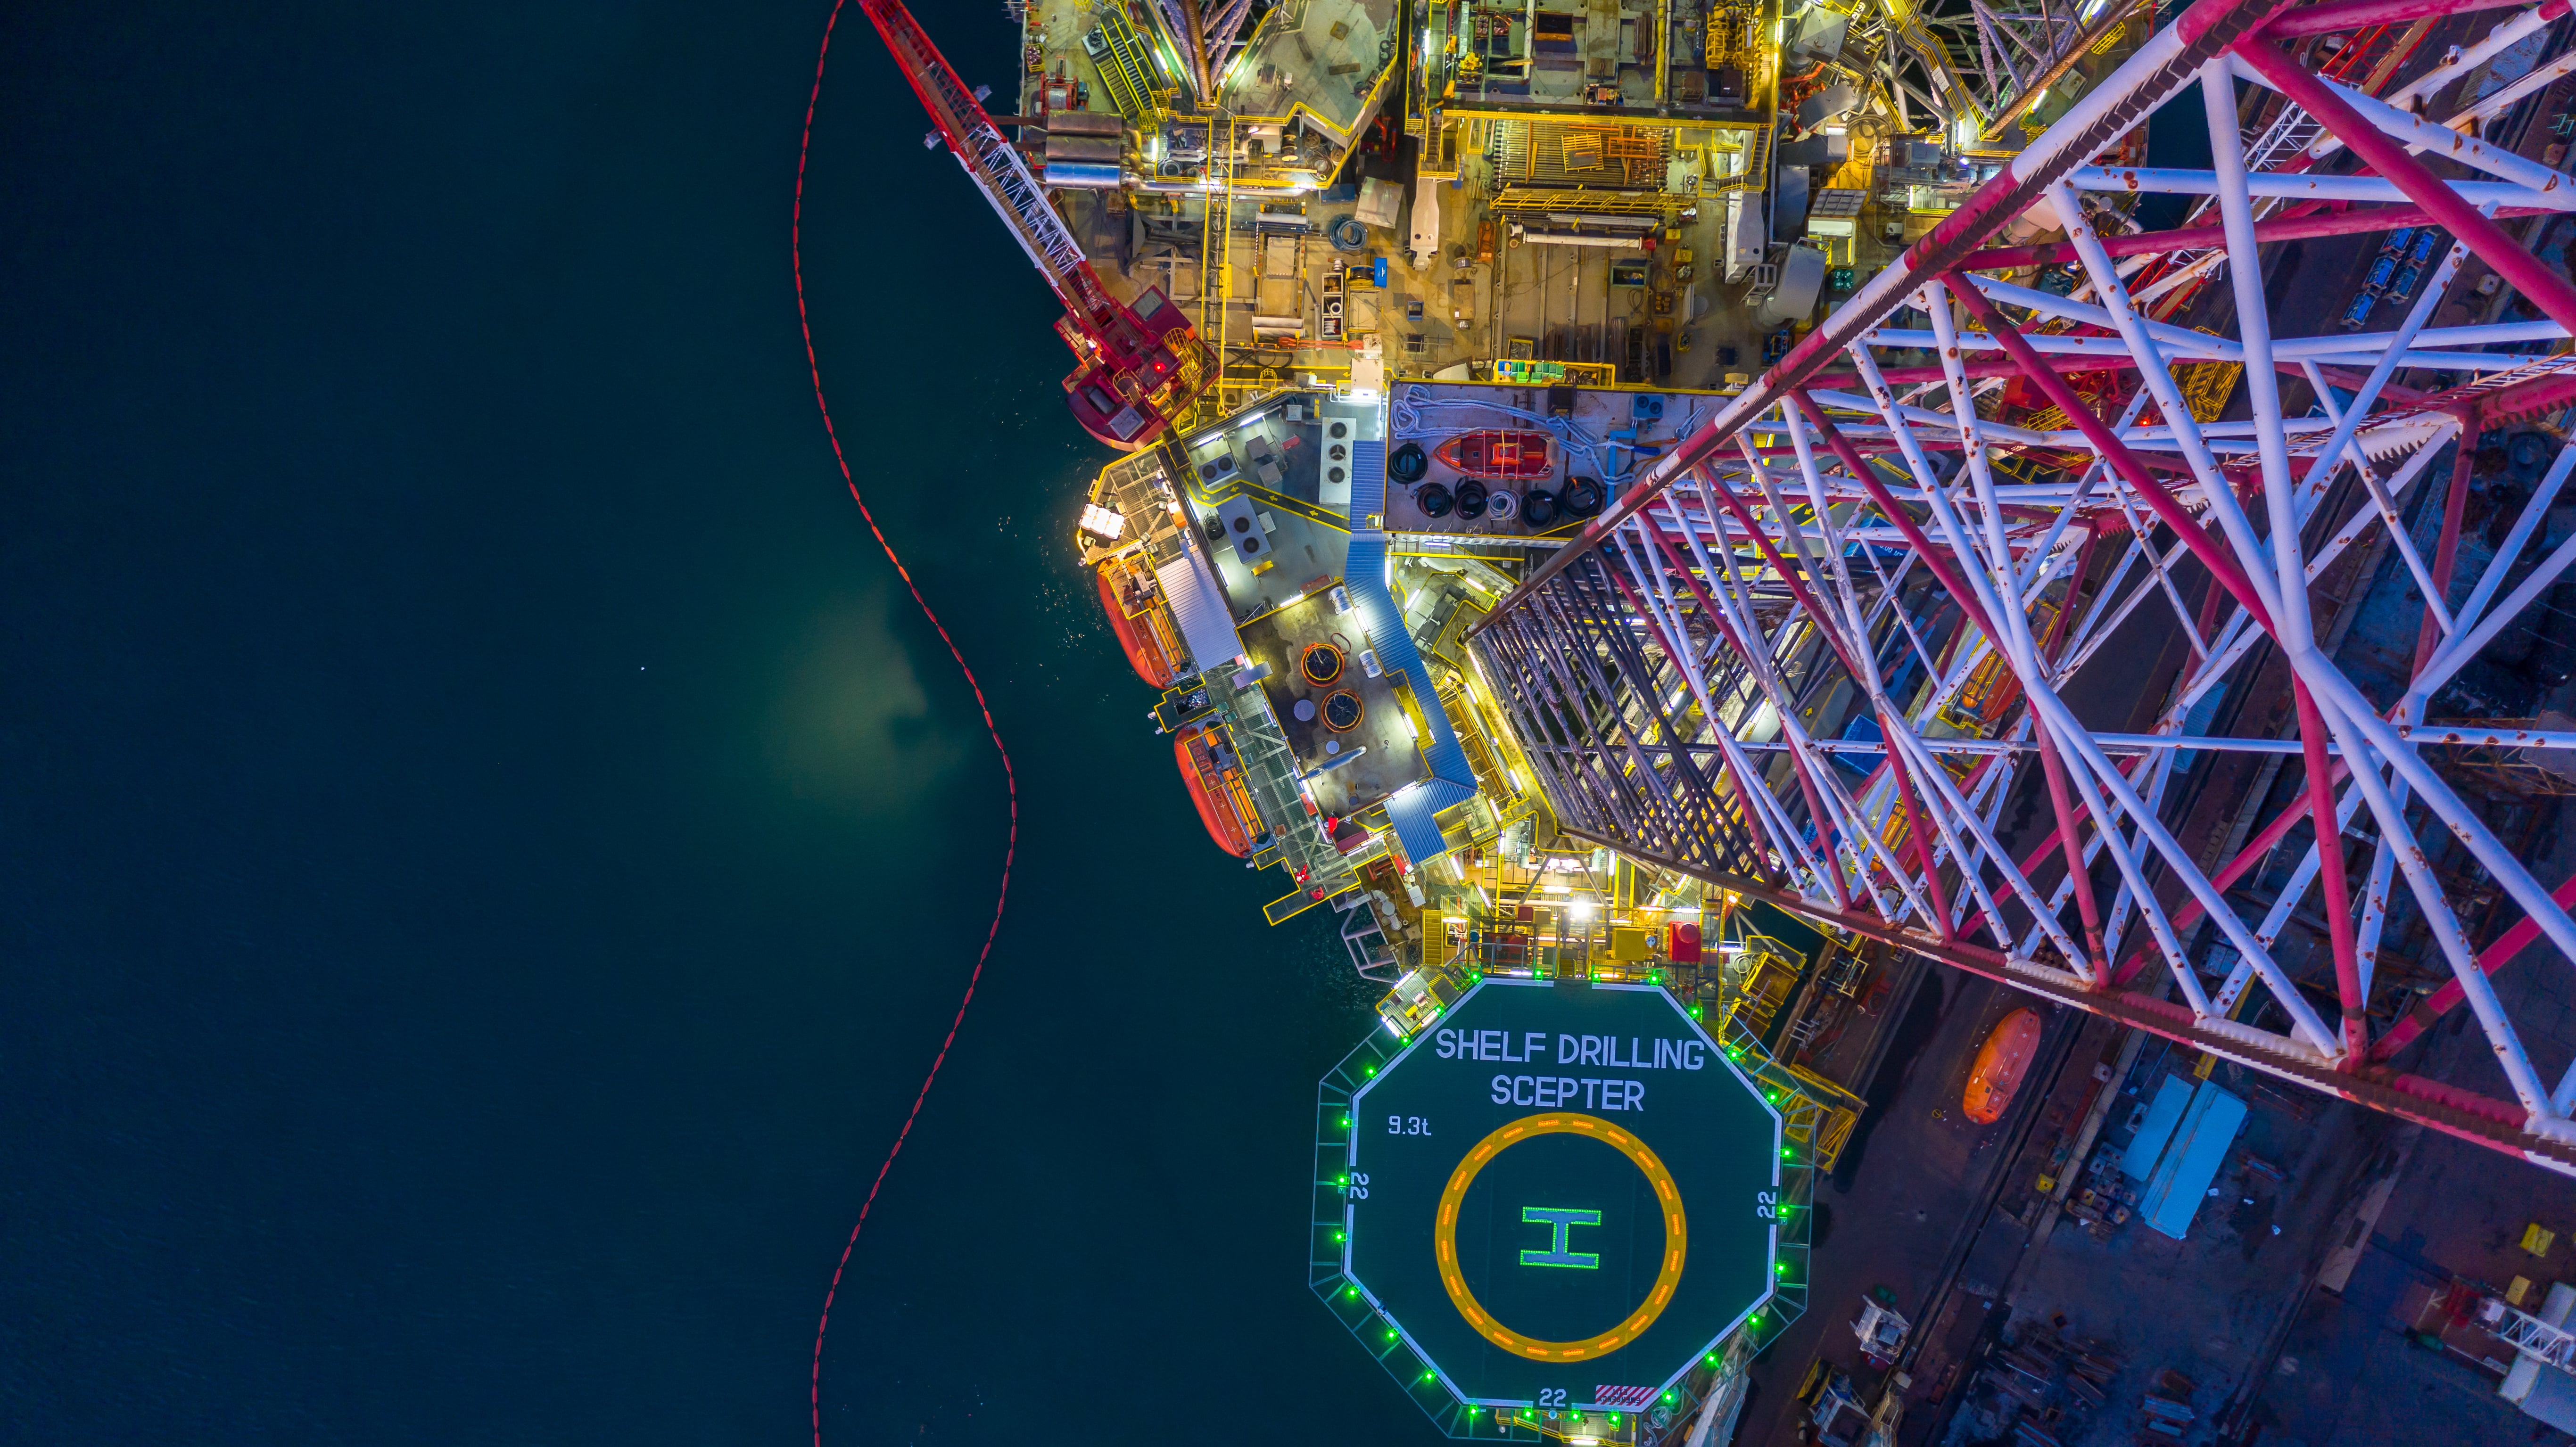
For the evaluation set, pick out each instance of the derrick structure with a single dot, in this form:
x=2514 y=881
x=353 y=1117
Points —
x=1208 y=33
x=1136 y=368
x=1814 y=545
x=1967 y=72
x=2011 y=55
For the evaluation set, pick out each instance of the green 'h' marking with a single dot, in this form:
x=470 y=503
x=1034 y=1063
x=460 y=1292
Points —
x=1564 y=1221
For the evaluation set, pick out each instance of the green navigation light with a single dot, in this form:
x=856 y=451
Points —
x=1597 y=1177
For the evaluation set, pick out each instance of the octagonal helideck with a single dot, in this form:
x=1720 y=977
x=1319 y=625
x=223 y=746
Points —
x=1563 y=1196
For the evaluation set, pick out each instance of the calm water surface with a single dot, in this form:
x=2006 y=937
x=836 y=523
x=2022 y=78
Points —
x=489 y=851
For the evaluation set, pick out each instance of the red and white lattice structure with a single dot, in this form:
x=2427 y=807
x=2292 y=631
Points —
x=1661 y=671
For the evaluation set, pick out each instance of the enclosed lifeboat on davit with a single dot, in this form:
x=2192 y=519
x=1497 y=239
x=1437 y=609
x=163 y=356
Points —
x=1196 y=751
x=1499 y=455
x=2001 y=1063
x=1135 y=631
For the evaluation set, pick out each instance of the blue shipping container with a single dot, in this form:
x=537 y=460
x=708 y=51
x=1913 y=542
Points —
x=2191 y=1161
x=2163 y=1114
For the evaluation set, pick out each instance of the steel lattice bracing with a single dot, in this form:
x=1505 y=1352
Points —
x=1879 y=486
x=1597 y=713
x=1134 y=373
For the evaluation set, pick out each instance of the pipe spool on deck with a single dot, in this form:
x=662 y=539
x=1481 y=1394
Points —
x=1081 y=175
x=1062 y=147
x=1085 y=123
x=1568 y=238
x=1615 y=223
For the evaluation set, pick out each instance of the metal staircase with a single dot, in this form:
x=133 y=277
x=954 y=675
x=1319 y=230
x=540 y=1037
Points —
x=1371 y=955
x=1123 y=69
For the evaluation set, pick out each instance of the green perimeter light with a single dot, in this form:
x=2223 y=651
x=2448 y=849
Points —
x=1392 y=1187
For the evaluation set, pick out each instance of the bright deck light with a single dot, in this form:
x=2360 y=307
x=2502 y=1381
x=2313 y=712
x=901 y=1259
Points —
x=1102 y=523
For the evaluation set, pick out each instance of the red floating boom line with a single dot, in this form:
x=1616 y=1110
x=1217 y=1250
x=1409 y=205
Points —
x=1011 y=846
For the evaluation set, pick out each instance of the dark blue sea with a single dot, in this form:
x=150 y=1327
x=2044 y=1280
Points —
x=490 y=850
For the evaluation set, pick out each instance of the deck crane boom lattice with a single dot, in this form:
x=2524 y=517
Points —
x=1137 y=368
x=1856 y=645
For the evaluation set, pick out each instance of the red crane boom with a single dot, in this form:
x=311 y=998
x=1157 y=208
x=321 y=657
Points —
x=1137 y=369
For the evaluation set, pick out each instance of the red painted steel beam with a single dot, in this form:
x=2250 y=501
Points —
x=2512 y=404
x=2246 y=858
x=2532 y=398
x=2312 y=740
x=2212 y=554
x=2203 y=238
x=2446 y=553
x=2497 y=1125
x=2494 y=957
x=2339 y=16
x=2204 y=31
x=2543 y=287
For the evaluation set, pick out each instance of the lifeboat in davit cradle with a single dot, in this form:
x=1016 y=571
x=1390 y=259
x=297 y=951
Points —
x=1135 y=635
x=1192 y=748
x=1499 y=455
x=2001 y=1063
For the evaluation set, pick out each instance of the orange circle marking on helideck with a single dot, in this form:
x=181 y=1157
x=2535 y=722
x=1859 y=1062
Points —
x=1444 y=1236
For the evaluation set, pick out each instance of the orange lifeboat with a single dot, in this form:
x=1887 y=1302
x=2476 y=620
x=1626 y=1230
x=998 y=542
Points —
x=1498 y=455
x=1135 y=635
x=1208 y=790
x=2000 y=1066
